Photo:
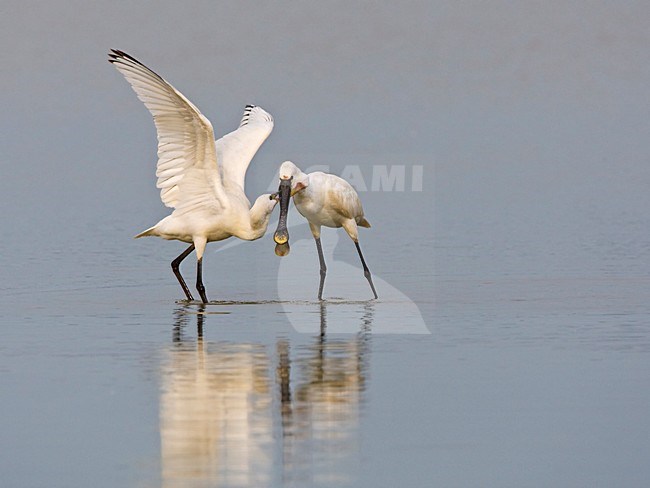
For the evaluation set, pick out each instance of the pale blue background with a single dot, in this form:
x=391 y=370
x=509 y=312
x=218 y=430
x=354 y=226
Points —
x=527 y=252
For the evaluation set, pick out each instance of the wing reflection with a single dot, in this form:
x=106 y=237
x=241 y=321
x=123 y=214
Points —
x=215 y=413
x=219 y=412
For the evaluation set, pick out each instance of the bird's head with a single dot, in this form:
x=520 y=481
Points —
x=291 y=172
x=266 y=203
x=260 y=212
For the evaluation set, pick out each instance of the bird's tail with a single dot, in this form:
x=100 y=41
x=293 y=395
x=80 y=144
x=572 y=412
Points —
x=363 y=223
x=146 y=233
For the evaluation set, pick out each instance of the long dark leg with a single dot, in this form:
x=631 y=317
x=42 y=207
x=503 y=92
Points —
x=366 y=271
x=199 y=280
x=175 y=268
x=323 y=268
x=200 y=316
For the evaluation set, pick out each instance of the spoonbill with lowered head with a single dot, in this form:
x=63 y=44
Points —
x=201 y=179
x=323 y=199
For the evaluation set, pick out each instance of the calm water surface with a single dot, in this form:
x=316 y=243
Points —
x=520 y=360
x=510 y=346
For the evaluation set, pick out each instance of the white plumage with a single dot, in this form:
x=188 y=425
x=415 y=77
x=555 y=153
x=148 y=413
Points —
x=324 y=200
x=202 y=179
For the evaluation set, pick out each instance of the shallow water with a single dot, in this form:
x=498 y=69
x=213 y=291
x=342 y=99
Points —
x=474 y=375
x=510 y=345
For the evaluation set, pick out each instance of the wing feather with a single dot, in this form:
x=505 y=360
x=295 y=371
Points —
x=343 y=198
x=236 y=149
x=185 y=138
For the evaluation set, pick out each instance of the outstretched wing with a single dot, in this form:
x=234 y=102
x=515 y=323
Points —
x=185 y=138
x=236 y=149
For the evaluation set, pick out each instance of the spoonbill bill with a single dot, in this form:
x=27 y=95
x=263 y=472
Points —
x=200 y=178
x=323 y=199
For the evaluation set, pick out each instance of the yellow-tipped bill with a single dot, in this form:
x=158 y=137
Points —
x=281 y=236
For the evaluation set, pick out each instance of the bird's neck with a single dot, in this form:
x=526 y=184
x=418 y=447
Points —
x=259 y=220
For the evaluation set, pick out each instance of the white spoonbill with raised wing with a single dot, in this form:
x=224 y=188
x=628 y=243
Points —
x=201 y=179
x=323 y=199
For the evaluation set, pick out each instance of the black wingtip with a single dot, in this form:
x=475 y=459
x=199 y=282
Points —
x=122 y=54
x=120 y=57
x=117 y=54
x=247 y=113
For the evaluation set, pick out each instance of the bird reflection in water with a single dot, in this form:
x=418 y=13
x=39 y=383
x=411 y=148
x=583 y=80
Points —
x=215 y=412
x=221 y=419
x=320 y=417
